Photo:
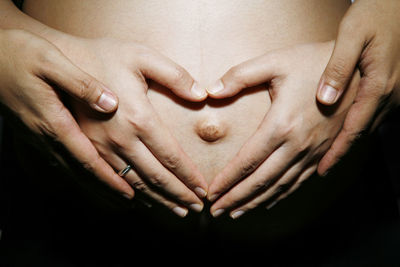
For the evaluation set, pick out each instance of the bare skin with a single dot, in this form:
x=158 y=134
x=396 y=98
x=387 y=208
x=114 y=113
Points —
x=197 y=37
x=196 y=44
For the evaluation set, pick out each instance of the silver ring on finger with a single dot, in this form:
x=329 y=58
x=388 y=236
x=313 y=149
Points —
x=125 y=170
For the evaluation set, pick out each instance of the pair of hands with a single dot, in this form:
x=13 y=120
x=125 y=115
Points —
x=294 y=135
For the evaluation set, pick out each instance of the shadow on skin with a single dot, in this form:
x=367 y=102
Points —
x=215 y=103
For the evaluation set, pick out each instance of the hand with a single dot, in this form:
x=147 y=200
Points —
x=135 y=134
x=369 y=38
x=32 y=73
x=293 y=136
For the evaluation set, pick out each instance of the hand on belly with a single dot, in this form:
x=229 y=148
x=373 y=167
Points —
x=134 y=134
x=294 y=135
x=212 y=131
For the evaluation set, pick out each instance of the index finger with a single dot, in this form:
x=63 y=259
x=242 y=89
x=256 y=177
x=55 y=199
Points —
x=166 y=149
x=252 y=154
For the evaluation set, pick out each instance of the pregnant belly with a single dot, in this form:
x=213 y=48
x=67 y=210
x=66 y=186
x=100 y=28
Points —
x=207 y=38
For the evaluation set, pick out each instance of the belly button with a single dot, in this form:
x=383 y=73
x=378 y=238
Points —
x=210 y=129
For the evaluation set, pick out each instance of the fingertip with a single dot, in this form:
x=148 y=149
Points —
x=128 y=196
x=106 y=103
x=324 y=167
x=200 y=192
x=322 y=172
x=216 y=88
x=198 y=92
x=127 y=191
x=181 y=212
x=197 y=207
x=217 y=213
x=328 y=95
x=213 y=197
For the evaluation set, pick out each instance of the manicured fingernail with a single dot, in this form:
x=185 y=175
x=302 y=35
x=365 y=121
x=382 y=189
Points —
x=218 y=212
x=272 y=204
x=216 y=88
x=107 y=101
x=196 y=207
x=237 y=214
x=329 y=94
x=198 y=91
x=213 y=197
x=200 y=192
x=180 y=211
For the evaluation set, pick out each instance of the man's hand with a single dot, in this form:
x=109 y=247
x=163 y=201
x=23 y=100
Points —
x=369 y=38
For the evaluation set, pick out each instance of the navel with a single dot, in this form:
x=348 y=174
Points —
x=210 y=129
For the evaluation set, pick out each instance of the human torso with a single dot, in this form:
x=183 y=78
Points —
x=207 y=38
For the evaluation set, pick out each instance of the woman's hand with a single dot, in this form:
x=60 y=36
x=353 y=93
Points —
x=135 y=134
x=294 y=135
x=369 y=38
x=32 y=73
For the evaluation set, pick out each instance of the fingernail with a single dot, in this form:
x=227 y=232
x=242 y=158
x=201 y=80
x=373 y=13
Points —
x=198 y=91
x=271 y=205
x=127 y=196
x=216 y=88
x=329 y=94
x=213 y=197
x=218 y=212
x=107 y=101
x=180 y=211
x=237 y=214
x=196 y=207
x=200 y=192
x=325 y=174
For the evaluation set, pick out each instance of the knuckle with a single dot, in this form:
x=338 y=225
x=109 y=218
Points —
x=87 y=87
x=140 y=185
x=46 y=59
x=352 y=134
x=248 y=166
x=238 y=75
x=56 y=124
x=338 y=70
x=159 y=180
x=302 y=145
x=172 y=162
x=379 y=89
x=261 y=186
x=90 y=163
x=282 y=187
x=140 y=121
x=117 y=142
x=178 y=75
x=283 y=129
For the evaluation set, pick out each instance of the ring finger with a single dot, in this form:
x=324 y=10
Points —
x=133 y=178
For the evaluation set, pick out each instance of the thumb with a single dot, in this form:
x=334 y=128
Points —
x=77 y=83
x=341 y=66
x=247 y=74
x=171 y=75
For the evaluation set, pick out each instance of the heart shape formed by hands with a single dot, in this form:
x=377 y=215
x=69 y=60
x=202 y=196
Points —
x=276 y=147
